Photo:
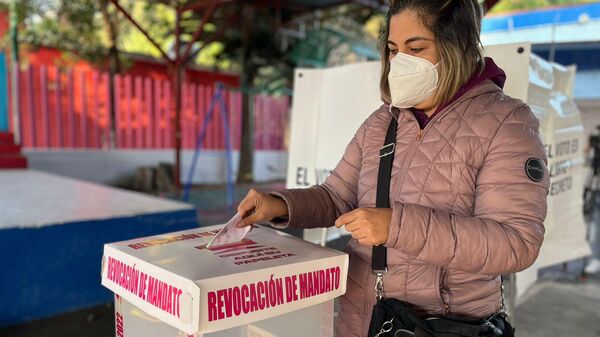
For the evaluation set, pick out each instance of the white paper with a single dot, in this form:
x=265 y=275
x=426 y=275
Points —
x=230 y=233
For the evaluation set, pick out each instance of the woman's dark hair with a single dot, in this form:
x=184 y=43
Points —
x=456 y=25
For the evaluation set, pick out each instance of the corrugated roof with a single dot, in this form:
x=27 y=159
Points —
x=313 y=4
x=540 y=17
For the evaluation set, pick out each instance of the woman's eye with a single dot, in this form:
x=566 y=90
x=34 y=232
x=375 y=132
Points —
x=393 y=51
x=416 y=50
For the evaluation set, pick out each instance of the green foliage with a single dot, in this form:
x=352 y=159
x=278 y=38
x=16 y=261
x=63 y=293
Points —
x=23 y=7
x=159 y=22
x=69 y=25
x=247 y=42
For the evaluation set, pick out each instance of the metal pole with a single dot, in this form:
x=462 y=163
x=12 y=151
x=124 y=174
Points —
x=200 y=30
x=177 y=97
x=228 y=146
x=15 y=72
x=140 y=29
x=199 y=142
x=552 y=51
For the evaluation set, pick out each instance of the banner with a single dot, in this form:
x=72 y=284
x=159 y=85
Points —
x=328 y=107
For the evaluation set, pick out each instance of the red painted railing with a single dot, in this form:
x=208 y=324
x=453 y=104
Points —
x=70 y=109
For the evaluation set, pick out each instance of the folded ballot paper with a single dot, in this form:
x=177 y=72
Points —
x=182 y=282
x=230 y=233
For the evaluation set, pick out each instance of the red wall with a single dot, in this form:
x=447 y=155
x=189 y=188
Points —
x=3 y=23
x=150 y=68
x=141 y=66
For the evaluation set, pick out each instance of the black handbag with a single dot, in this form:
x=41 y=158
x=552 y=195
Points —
x=394 y=318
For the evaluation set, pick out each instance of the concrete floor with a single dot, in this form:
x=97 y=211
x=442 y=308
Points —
x=93 y=322
x=560 y=309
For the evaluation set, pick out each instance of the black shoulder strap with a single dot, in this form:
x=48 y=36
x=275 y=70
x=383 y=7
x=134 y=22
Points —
x=386 y=159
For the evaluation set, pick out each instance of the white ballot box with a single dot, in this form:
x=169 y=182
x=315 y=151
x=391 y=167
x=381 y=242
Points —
x=269 y=284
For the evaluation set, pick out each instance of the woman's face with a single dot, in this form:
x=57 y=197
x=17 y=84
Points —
x=408 y=35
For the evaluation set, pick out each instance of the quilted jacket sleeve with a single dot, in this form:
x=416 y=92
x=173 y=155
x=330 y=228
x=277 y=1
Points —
x=506 y=231
x=321 y=205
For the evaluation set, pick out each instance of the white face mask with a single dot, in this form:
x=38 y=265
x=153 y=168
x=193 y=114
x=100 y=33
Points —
x=412 y=80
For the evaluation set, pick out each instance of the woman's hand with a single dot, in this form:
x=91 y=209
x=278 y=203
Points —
x=258 y=206
x=370 y=226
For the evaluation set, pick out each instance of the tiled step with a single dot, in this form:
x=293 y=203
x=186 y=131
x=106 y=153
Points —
x=6 y=138
x=9 y=150
x=15 y=162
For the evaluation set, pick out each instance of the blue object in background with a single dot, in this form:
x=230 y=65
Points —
x=3 y=95
x=55 y=269
x=540 y=17
x=585 y=56
x=216 y=99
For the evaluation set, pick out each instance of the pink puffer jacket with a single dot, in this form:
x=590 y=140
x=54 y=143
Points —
x=469 y=202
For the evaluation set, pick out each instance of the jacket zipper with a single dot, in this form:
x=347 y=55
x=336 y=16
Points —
x=420 y=134
x=411 y=151
x=445 y=288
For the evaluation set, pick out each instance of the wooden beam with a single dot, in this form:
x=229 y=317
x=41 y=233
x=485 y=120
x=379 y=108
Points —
x=208 y=12
x=198 y=5
x=176 y=92
x=142 y=30
x=216 y=36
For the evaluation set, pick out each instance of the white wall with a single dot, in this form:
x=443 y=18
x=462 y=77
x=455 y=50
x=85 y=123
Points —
x=111 y=167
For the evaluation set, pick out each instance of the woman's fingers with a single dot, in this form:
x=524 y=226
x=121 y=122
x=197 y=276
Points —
x=250 y=219
x=252 y=201
x=250 y=208
x=366 y=242
x=246 y=206
x=347 y=218
x=370 y=226
x=358 y=234
x=257 y=207
x=364 y=237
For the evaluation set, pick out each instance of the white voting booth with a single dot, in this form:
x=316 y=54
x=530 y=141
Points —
x=330 y=104
x=270 y=284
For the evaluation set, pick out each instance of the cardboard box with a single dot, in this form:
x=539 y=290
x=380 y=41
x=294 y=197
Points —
x=177 y=280
x=314 y=321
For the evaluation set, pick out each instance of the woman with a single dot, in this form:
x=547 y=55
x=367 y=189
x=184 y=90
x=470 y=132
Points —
x=469 y=178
